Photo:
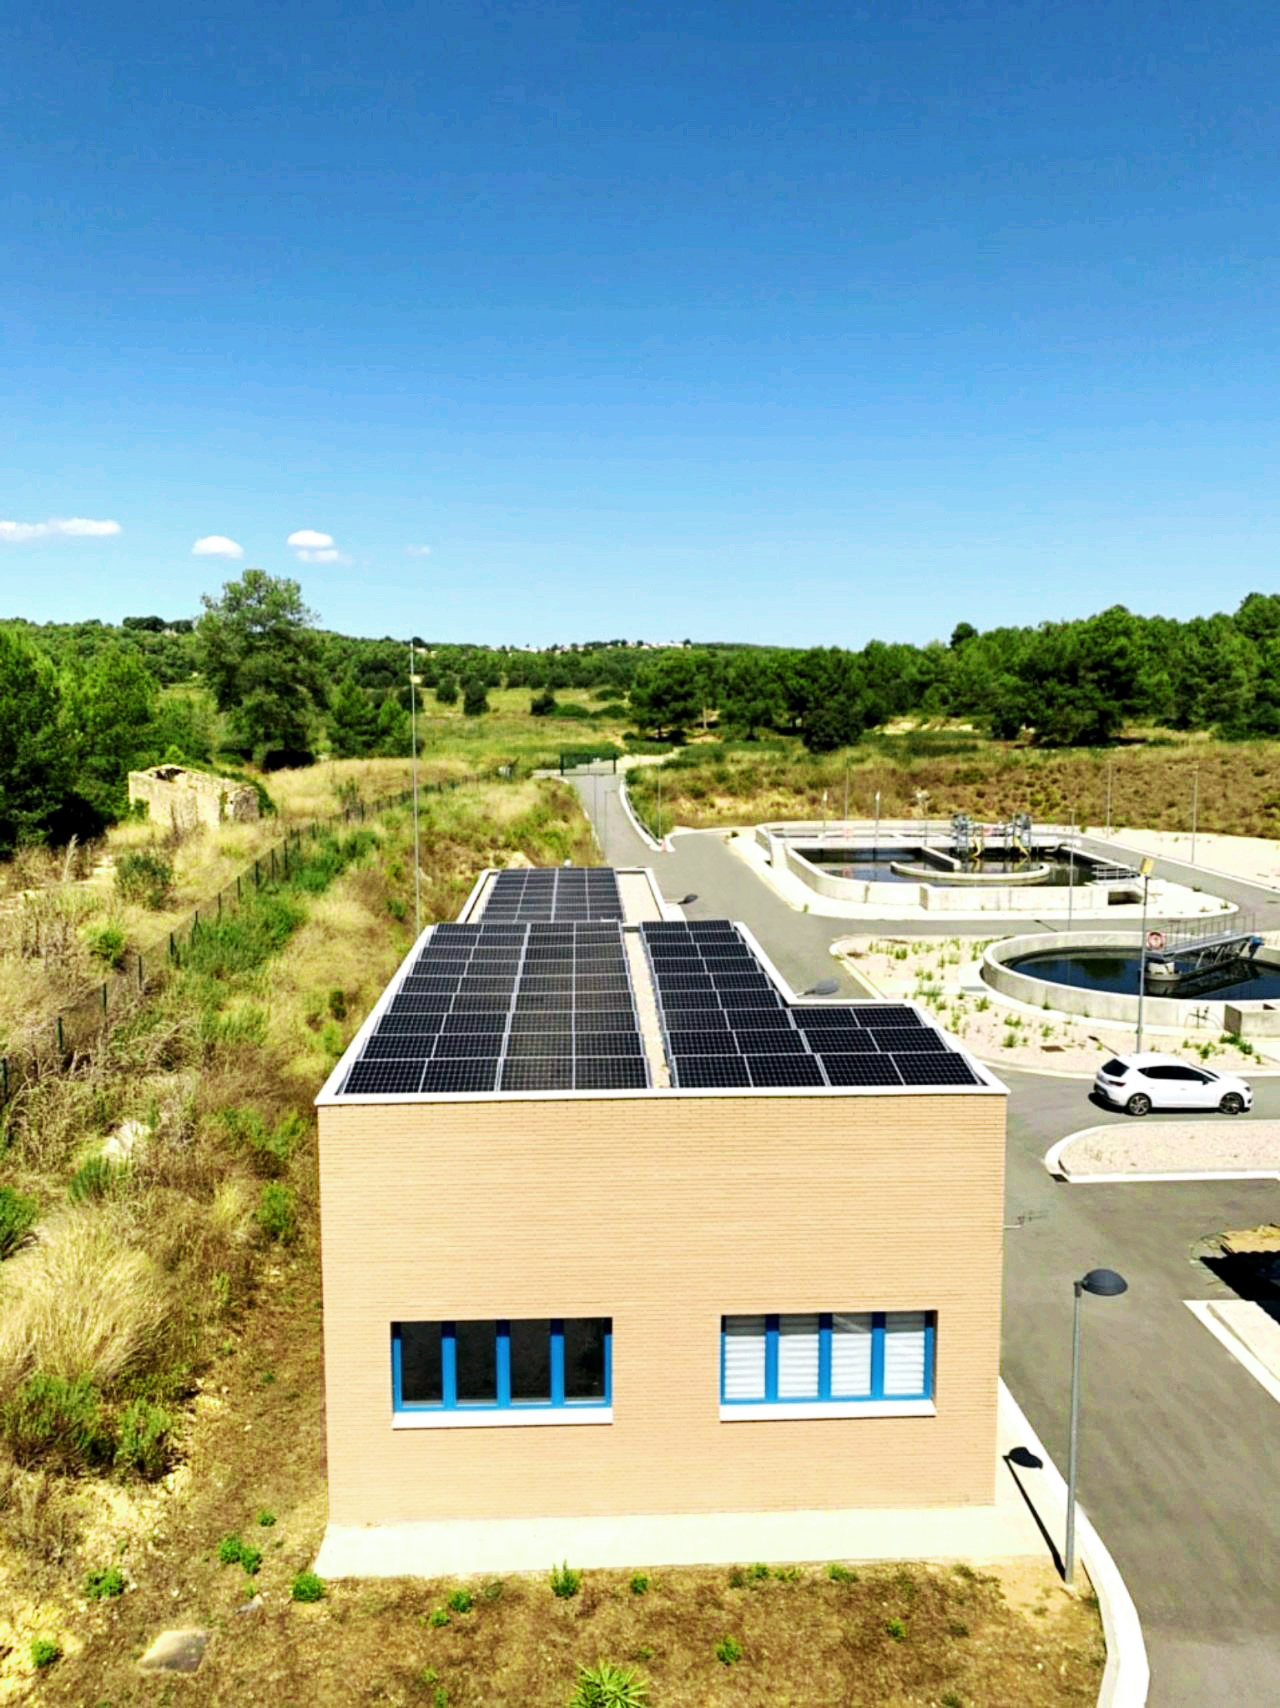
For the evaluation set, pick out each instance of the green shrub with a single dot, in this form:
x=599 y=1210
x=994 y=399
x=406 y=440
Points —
x=44 y=1651
x=17 y=1218
x=229 y=1551
x=729 y=1652
x=104 y=1584
x=105 y=942
x=896 y=1629
x=639 y=1584
x=250 y=1560
x=99 y=1177
x=460 y=1601
x=53 y=1419
x=565 y=1582
x=841 y=1574
x=396 y=908
x=338 y=1003
x=957 y=1628
x=266 y=1518
x=757 y=1573
x=607 y=1686
x=277 y=1216
x=952 y=1699
x=437 y=1618
x=307 y=1587
x=270 y=1148
x=788 y=1574
x=143 y=875
x=142 y=1438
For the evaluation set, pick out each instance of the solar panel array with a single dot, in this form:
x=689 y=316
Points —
x=509 y=1007
x=726 y=1025
x=555 y=894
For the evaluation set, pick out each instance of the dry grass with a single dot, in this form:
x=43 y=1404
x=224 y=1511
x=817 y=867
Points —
x=1151 y=786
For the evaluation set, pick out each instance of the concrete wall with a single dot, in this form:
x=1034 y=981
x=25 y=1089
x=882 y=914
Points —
x=662 y=1212
x=185 y=799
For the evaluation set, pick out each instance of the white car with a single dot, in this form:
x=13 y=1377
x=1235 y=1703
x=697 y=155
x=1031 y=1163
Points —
x=1139 y=1084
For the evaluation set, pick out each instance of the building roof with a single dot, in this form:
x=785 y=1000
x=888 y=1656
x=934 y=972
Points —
x=583 y=982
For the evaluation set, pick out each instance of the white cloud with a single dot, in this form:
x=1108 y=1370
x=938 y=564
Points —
x=64 y=528
x=217 y=545
x=418 y=551
x=307 y=539
x=327 y=554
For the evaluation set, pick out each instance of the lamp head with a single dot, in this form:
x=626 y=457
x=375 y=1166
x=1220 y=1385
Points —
x=1104 y=1283
x=825 y=987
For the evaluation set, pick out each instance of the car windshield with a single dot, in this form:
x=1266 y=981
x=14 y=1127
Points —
x=1115 y=1068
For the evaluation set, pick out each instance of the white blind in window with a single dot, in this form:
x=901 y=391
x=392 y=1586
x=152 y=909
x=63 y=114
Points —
x=904 y=1360
x=798 y=1357
x=744 y=1358
x=850 y=1355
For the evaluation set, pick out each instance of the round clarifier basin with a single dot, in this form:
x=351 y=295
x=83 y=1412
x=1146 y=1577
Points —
x=1095 y=975
x=906 y=865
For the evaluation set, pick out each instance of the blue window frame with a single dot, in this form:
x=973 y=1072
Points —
x=525 y=1364
x=821 y=1356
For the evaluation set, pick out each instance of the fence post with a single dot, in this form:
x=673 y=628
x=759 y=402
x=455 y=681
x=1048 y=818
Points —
x=104 y=996
x=61 y=1045
x=238 y=877
x=257 y=875
x=4 y=1079
x=219 y=904
x=173 y=948
x=141 y=980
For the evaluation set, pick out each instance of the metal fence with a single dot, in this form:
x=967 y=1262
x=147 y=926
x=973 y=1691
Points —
x=78 y=1024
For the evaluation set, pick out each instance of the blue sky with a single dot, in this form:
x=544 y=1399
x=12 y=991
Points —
x=783 y=322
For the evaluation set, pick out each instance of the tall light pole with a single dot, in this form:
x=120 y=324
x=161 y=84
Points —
x=846 y=797
x=413 y=742
x=875 y=847
x=1103 y=1284
x=1110 y=768
x=1071 y=869
x=1146 y=870
x=1195 y=810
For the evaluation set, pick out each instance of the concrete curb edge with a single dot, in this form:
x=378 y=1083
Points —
x=641 y=832
x=1126 y=1679
x=1054 y=1165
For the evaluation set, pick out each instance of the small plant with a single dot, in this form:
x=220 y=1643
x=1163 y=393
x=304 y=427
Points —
x=142 y=1438
x=492 y=1591
x=957 y=1628
x=982 y=1004
x=841 y=1574
x=104 y=1584
x=142 y=875
x=50 y=1418
x=607 y=1686
x=729 y=1651
x=396 y=908
x=229 y=1551
x=1009 y=1040
x=427 y=1677
x=17 y=1218
x=277 y=1216
x=440 y=1698
x=251 y=1560
x=307 y=1587
x=266 y=1518
x=337 y=1004
x=966 y=1572
x=99 y=1177
x=437 y=1618
x=788 y=1574
x=565 y=1581
x=951 y=1700
x=757 y=1573
x=44 y=1651
x=106 y=943
x=460 y=1601
x=639 y=1584
x=896 y=1629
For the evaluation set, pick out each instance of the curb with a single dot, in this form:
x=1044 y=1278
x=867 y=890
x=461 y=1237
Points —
x=1055 y=1166
x=1126 y=1678
x=641 y=832
x=1245 y=1357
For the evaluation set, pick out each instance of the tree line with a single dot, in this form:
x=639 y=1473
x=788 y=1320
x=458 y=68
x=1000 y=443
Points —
x=255 y=677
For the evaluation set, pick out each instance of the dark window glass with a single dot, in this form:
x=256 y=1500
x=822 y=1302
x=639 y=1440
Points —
x=1160 y=1073
x=1117 y=1070
x=584 y=1357
x=477 y=1366
x=420 y=1374
x=531 y=1361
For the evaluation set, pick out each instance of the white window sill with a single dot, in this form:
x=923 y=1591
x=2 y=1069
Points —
x=501 y=1418
x=796 y=1409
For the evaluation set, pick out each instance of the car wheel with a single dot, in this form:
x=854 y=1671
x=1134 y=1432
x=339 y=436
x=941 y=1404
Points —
x=1138 y=1104
x=1232 y=1104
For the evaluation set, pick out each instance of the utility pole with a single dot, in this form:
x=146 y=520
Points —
x=846 y=797
x=1071 y=869
x=1146 y=869
x=659 y=803
x=413 y=742
x=1110 y=769
x=1195 y=810
x=875 y=851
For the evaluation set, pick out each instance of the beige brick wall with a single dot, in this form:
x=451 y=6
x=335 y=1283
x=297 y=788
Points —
x=663 y=1213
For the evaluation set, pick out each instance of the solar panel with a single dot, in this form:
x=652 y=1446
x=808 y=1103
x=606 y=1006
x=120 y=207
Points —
x=908 y=1038
x=612 y=1044
x=452 y=1075
x=861 y=1070
x=838 y=1015
x=784 y=1070
x=842 y=1040
x=931 y=1068
x=704 y=1072
x=888 y=1014
x=382 y=1077
x=405 y=1046
x=558 y=894
x=702 y=1043
x=770 y=1040
x=610 y=1073
x=543 y=1073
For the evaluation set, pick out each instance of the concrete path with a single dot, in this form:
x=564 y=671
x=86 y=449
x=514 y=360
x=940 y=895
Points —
x=1180 y=1446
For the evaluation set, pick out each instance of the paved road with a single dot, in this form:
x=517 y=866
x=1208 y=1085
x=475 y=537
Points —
x=1180 y=1455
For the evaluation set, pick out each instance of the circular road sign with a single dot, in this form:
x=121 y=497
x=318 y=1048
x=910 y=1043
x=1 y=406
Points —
x=1155 y=939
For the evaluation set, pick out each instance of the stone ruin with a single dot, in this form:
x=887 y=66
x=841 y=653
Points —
x=185 y=799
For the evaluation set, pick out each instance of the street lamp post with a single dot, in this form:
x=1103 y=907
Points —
x=1103 y=1284
x=875 y=848
x=1195 y=810
x=1110 y=769
x=1071 y=870
x=413 y=743
x=1142 y=953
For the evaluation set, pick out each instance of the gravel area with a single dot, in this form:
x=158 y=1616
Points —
x=1174 y=1147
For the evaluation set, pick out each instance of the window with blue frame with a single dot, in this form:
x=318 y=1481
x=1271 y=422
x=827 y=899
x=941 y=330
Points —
x=826 y=1355
x=521 y=1364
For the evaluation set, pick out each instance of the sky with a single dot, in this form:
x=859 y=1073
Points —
x=766 y=320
